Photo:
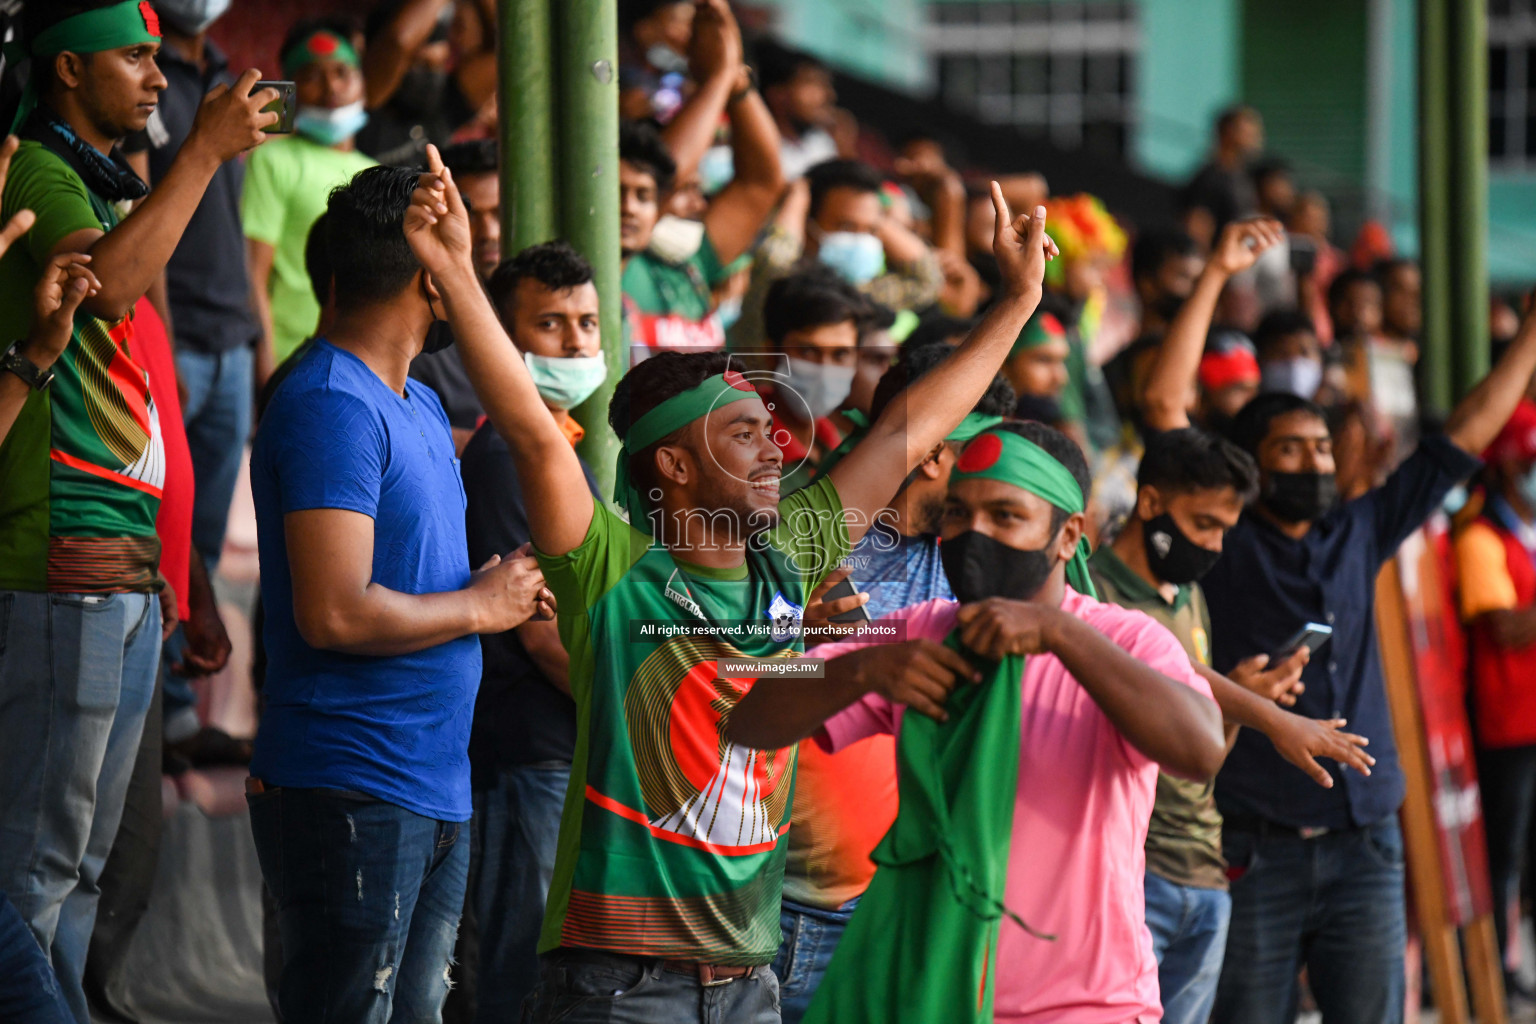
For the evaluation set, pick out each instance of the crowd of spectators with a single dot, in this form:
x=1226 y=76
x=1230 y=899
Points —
x=1099 y=499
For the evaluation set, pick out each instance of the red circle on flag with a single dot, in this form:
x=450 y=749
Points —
x=982 y=453
x=151 y=19
x=737 y=381
x=322 y=44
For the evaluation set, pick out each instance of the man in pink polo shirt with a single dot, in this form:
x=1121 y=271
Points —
x=1108 y=697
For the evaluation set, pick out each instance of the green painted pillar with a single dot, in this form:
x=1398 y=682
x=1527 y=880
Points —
x=587 y=45
x=526 y=124
x=1437 y=385
x=1469 y=193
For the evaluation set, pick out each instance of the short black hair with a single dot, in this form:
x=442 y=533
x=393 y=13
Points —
x=1191 y=459
x=1270 y=167
x=556 y=265
x=914 y=363
x=632 y=12
x=877 y=317
x=778 y=64
x=812 y=296
x=1346 y=280
x=937 y=329
x=317 y=260
x=1233 y=114
x=365 y=234
x=662 y=376
x=1061 y=448
x=641 y=144
x=852 y=174
x=1278 y=324
x=1251 y=424
x=1384 y=268
x=477 y=156
x=1156 y=246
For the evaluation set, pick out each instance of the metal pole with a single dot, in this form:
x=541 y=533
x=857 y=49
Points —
x=587 y=41
x=1468 y=44
x=526 y=124
x=1435 y=374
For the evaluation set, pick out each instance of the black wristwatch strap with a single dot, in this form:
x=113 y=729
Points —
x=34 y=377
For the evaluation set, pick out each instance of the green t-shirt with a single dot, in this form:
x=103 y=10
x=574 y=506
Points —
x=82 y=468
x=1184 y=836
x=287 y=183
x=668 y=304
x=670 y=845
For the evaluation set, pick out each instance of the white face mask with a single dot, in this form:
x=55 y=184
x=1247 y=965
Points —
x=191 y=17
x=815 y=389
x=330 y=125
x=1300 y=376
x=675 y=239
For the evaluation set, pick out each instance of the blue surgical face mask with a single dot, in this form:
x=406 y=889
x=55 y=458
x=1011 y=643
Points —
x=1299 y=376
x=329 y=126
x=716 y=169
x=564 y=382
x=858 y=257
x=815 y=389
x=729 y=311
x=1526 y=485
x=663 y=58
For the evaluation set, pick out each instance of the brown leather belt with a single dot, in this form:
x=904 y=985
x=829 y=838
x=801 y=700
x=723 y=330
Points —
x=709 y=975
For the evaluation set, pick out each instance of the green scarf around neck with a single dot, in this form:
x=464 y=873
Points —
x=922 y=947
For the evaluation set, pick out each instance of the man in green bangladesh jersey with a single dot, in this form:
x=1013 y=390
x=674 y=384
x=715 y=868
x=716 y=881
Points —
x=665 y=900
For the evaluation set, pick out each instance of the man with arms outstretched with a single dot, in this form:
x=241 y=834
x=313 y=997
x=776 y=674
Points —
x=666 y=893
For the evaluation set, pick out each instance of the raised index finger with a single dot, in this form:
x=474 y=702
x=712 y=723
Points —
x=434 y=160
x=1000 y=207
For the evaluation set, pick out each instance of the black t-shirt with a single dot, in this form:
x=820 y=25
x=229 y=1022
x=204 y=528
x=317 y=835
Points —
x=1228 y=195
x=206 y=279
x=520 y=718
x=427 y=107
x=444 y=373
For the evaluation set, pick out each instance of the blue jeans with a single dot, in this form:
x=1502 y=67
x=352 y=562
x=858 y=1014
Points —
x=587 y=986
x=368 y=899
x=517 y=830
x=810 y=938
x=29 y=990
x=77 y=672
x=218 y=420
x=1189 y=937
x=1333 y=904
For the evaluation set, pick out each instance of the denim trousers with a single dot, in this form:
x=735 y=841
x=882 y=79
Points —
x=584 y=986
x=218 y=419
x=1507 y=779
x=77 y=673
x=368 y=896
x=516 y=833
x=1189 y=938
x=810 y=938
x=29 y=990
x=1332 y=904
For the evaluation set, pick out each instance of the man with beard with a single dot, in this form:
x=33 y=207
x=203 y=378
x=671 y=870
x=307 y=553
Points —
x=1318 y=873
x=1087 y=699
x=666 y=893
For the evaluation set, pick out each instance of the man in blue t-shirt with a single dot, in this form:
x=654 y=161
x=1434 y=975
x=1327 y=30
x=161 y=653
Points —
x=359 y=790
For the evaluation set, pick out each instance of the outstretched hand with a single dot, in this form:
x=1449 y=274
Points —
x=1302 y=740
x=437 y=222
x=1022 y=248
x=1242 y=242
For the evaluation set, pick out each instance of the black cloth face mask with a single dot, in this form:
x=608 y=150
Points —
x=980 y=567
x=1300 y=497
x=439 y=335
x=1172 y=556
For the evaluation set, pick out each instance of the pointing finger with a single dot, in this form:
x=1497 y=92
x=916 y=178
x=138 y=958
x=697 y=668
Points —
x=1000 y=207
x=434 y=160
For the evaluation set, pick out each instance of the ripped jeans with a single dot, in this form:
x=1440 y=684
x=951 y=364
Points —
x=368 y=899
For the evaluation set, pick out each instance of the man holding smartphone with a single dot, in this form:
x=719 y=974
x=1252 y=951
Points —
x=83 y=464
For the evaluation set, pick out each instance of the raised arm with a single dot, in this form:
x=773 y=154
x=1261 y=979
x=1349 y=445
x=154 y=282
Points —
x=392 y=49
x=1164 y=399
x=933 y=406
x=554 y=487
x=714 y=64
x=1169 y=722
x=1482 y=413
x=338 y=607
x=737 y=214
x=132 y=255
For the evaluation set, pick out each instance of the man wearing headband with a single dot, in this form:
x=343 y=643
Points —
x=1029 y=798
x=83 y=464
x=666 y=895
x=288 y=180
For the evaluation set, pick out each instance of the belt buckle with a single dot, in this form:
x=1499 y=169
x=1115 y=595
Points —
x=707 y=977
x=1312 y=833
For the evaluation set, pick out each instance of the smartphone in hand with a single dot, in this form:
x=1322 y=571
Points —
x=285 y=104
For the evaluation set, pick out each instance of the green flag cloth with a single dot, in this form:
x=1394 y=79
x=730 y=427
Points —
x=973 y=424
x=124 y=24
x=673 y=414
x=922 y=946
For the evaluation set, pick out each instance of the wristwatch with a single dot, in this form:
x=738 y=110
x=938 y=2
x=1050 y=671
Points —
x=746 y=90
x=26 y=369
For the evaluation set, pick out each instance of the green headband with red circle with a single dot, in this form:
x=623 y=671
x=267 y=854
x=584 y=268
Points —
x=321 y=44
